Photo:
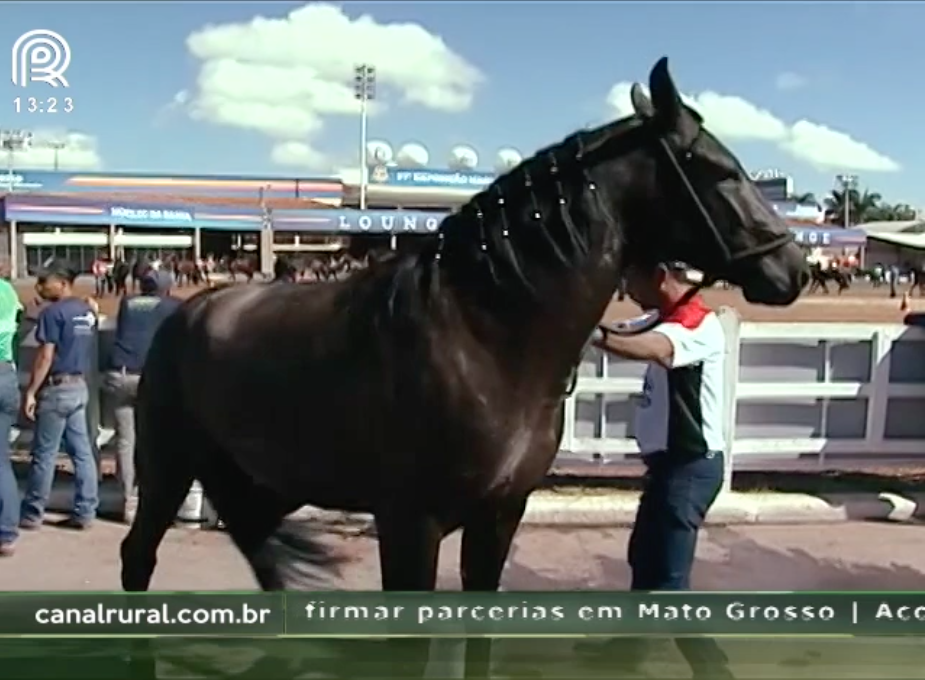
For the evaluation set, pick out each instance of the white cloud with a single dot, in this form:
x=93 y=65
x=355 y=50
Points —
x=737 y=119
x=71 y=150
x=283 y=77
x=299 y=154
x=788 y=80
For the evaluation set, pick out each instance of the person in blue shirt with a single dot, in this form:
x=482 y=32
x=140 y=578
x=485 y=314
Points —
x=57 y=396
x=138 y=319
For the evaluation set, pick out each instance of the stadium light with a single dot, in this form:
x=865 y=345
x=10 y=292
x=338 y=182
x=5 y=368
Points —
x=56 y=145
x=364 y=91
x=848 y=183
x=12 y=141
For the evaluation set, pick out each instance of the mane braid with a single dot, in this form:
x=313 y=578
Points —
x=528 y=222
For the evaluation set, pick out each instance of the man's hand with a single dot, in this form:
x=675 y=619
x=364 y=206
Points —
x=29 y=403
x=94 y=305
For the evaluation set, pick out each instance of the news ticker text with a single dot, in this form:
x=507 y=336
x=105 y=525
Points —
x=350 y=613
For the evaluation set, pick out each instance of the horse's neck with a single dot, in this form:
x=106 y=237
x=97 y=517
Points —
x=545 y=338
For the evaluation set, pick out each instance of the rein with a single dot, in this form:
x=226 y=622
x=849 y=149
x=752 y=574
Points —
x=633 y=326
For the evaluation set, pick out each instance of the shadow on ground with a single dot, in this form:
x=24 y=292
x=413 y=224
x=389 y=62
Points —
x=815 y=483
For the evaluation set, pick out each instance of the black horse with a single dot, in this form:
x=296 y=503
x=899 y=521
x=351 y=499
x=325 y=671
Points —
x=456 y=358
x=820 y=278
x=284 y=271
x=120 y=273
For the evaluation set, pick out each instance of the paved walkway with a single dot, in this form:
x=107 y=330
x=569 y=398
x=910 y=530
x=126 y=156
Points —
x=849 y=556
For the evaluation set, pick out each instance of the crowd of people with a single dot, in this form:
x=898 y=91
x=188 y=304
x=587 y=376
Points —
x=57 y=395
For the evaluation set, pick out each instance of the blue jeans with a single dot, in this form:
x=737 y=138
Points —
x=9 y=491
x=61 y=413
x=677 y=494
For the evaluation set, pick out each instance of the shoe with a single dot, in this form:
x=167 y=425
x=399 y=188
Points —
x=30 y=524
x=7 y=549
x=74 y=523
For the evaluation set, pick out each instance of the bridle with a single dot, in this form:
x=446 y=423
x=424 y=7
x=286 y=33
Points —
x=677 y=163
x=729 y=258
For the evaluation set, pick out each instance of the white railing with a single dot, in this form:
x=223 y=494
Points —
x=825 y=391
x=794 y=390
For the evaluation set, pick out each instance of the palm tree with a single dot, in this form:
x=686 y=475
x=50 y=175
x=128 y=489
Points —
x=861 y=206
x=805 y=199
x=899 y=212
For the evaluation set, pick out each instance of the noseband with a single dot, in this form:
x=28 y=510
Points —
x=678 y=162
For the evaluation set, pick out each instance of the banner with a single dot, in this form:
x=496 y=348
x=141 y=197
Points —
x=339 y=613
x=248 y=658
x=425 y=178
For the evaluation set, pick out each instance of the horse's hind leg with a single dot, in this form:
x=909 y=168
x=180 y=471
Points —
x=252 y=515
x=161 y=490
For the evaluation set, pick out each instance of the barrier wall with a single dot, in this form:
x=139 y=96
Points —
x=822 y=391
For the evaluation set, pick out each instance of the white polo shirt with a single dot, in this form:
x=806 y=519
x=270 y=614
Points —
x=681 y=409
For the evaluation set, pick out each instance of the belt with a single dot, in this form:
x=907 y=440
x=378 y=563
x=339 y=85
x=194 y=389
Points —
x=125 y=371
x=65 y=378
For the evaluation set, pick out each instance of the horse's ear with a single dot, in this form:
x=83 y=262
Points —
x=642 y=105
x=671 y=111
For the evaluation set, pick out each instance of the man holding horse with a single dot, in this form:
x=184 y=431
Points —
x=679 y=431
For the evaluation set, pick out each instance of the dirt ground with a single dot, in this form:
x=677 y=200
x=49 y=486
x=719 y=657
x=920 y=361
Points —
x=861 y=303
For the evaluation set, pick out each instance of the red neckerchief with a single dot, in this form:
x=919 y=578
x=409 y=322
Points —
x=690 y=314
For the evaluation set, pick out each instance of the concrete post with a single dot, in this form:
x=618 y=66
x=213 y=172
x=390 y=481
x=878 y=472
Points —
x=111 y=242
x=731 y=322
x=197 y=244
x=266 y=251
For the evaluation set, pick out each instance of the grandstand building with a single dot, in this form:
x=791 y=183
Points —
x=79 y=216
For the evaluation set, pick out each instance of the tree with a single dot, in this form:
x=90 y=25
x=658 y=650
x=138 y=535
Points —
x=862 y=206
x=806 y=199
x=899 y=212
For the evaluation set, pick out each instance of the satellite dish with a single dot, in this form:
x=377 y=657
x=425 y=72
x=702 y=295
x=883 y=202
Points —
x=463 y=158
x=378 y=153
x=412 y=155
x=508 y=159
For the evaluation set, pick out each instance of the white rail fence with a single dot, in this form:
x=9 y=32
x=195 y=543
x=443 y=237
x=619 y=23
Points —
x=828 y=391
x=825 y=392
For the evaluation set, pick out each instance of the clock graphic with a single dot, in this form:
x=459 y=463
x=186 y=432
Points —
x=47 y=105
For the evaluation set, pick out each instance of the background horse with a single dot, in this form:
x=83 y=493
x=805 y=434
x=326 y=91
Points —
x=245 y=265
x=821 y=276
x=459 y=357
x=186 y=272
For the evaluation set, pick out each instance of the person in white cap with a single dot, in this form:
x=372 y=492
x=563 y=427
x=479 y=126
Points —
x=678 y=428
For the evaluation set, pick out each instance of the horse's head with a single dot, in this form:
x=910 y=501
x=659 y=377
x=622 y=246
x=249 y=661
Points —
x=682 y=195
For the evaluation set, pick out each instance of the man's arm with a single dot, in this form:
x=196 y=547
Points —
x=649 y=346
x=47 y=334
x=670 y=344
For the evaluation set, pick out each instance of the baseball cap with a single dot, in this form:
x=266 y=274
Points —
x=149 y=283
x=689 y=274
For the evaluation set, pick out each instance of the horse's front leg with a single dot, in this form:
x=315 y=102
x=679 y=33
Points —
x=409 y=545
x=486 y=544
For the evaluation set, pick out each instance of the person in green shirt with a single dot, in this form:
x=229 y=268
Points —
x=11 y=310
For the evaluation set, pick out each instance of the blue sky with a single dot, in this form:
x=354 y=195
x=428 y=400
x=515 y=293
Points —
x=523 y=75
